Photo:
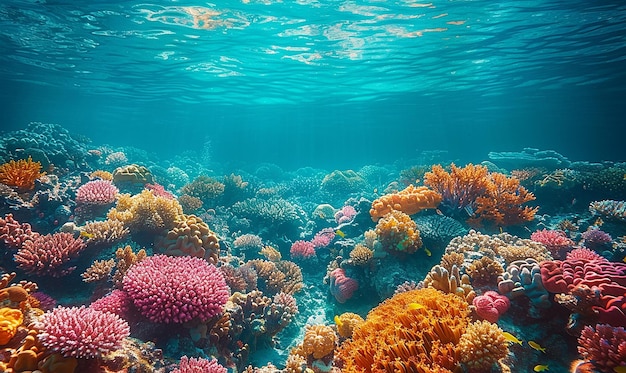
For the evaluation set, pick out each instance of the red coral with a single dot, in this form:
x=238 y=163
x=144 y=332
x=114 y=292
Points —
x=176 y=289
x=14 y=234
x=342 y=287
x=302 y=250
x=582 y=268
x=82 y=332
x=48 y=255
x=491 y=305
x=605 y=346
x=555 y=241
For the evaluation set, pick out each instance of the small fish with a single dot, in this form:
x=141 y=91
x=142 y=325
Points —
x=415 y=306
x=624 y=176
x=428 y=253
x=624 y=259
x=535 y=346
x=340 y=233
x=86 y=235
x=338 y=321
x=501 y=230
x=620 y=369
x=511 y=338
x=375 y=190
x=541 y=368
x=439 y=212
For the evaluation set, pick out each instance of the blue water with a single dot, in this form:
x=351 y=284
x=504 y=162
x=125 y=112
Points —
x=331 y=84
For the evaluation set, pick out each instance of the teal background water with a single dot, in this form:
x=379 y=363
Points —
x=332 y=84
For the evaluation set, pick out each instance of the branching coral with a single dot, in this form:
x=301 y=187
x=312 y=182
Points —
x=409 y=200
x=205 y=188
x=98 y=271
x=484 y=271
x=361 y=255
x=604 y=345
x=105 y=233
x=21 y=174
x=398 y=233
x=484 y=197
x=451 y=282
x=414 y=331
x=125 y=257
x=275 y=277
x=49 y=255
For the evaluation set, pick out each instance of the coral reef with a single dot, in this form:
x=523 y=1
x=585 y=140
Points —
x=410 y=200
x=176 y=289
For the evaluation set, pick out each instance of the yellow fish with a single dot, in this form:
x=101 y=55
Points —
x=86 y=235
x=541 y=368
x=511 y=338
x=428 y=253
x=338 y=321
x=415 y=306
x=340 y=233
x=620 y=369
x=535 y=346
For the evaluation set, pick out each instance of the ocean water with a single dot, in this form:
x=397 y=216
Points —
x=286 y=121
x=284 y=82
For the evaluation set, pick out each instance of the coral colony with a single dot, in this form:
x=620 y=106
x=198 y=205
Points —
x=115 y=261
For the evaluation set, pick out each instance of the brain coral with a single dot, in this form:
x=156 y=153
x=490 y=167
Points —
x=82 y=332
x=176 y=289
x=414 y=331
x=191 y=236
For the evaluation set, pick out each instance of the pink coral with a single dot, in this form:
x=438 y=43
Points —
x=97 y=192
x=159 y=191
x=82 y=332
x=584 y=268
x=176 y=289
x=555 y=241
x=302 y=250
x=605 y=346
x=491 y=305
x=342 y=287
x=345 y=215
x=48 y=255
x=117 y=302
x=198 y=365
x=323 y=238
x=14 y=234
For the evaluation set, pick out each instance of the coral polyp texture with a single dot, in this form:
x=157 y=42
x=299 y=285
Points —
x=82 y=332
x=168 y=289
x=414 y=331
x=21 y=173
x=198 y=365
x=49 y=255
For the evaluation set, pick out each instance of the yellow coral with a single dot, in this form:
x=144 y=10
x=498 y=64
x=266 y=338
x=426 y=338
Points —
x=361 y=255
x=481 y=346
x=409 y=200
x=105 y=232
x=414 y=331
x=146 y=212
x=451 y=282
x=21 y=174
x=126 y=258
x=10 y=320
x=271 y=254
x=397 y=232
x=99 y=270
x=133 y=174
x=484 y=271
x=191 y=237
x=101 y=174
x=319 y=341
x=346 y=322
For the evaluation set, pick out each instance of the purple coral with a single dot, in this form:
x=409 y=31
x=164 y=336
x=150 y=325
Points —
x=596 y=239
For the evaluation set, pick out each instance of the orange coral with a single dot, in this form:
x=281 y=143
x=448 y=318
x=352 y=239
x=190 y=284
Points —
x=319 y=341
x=10 y=320
x=101 y=174
x=409 y=200
x=482 y=346
x=346 y=322
x=502 y=204
x=485 y=197
x=21 y=174
x=397 y=232
x=190 y=237
x=414 y=331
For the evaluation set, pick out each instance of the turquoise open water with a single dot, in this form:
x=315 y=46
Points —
x=321 y=83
